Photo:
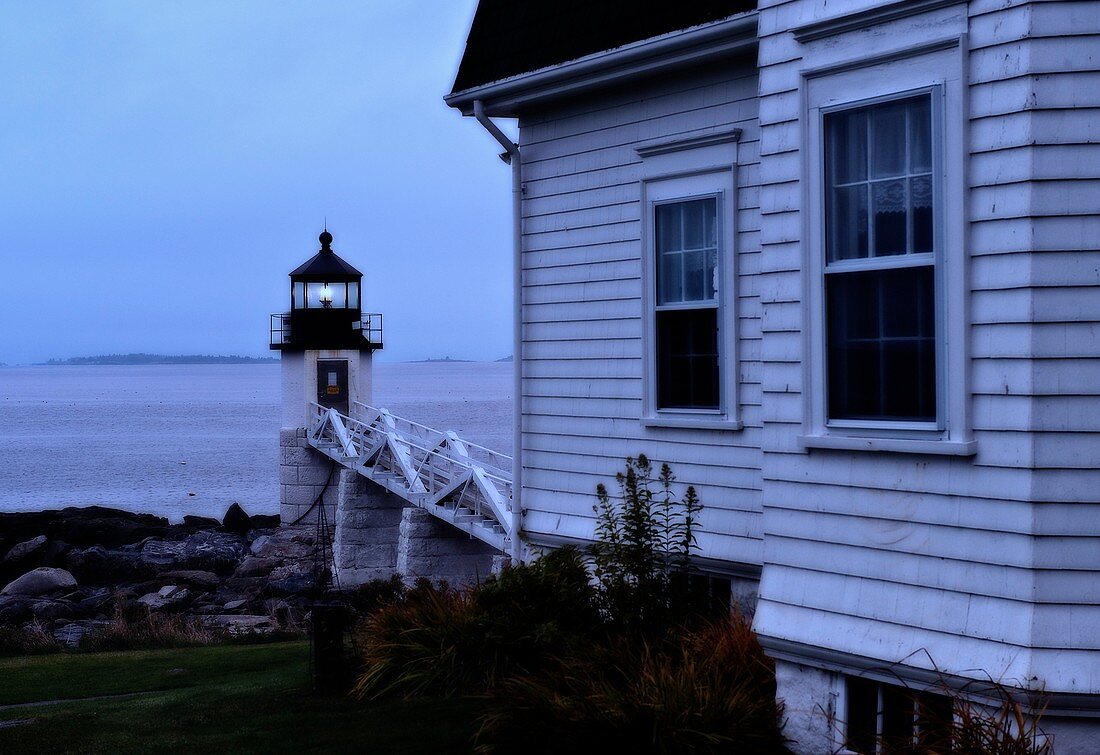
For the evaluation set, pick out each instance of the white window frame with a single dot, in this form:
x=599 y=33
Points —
x=940 y=74
x=701 y=179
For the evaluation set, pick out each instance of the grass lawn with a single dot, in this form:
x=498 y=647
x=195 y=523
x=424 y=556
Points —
x=229 y=699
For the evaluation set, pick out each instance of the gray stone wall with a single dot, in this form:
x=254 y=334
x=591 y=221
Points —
x=302 y=475
x=368 y=527
x=431 y=548
x=378 y=534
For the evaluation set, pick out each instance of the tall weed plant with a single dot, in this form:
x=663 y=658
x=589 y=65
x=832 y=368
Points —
x=645 y=538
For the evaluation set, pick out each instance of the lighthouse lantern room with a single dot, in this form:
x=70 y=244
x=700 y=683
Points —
x=326 y=340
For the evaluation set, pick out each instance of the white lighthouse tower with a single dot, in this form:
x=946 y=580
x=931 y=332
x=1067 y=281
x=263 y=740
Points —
x=325 y=342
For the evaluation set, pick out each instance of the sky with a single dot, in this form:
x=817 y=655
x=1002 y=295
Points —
x=165 y=165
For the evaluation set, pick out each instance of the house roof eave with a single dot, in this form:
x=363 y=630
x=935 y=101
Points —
x=505 y=97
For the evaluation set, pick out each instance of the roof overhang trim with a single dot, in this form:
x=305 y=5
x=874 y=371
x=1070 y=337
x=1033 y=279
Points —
x=678 y=48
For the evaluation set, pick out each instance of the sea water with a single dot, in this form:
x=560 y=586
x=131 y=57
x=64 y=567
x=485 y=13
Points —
x=191 y=439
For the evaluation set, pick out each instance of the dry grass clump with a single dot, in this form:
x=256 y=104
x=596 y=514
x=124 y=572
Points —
x=1009 y=726
x=710 y=690
x=151 y=631
x=33 y=639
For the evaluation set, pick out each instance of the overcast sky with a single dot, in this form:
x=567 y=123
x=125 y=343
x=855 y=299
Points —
x=166 y=164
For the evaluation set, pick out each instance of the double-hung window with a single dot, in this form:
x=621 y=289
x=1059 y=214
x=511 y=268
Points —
x=886 y=364
x=880 y=266
x=686 y=248
x=690 y=301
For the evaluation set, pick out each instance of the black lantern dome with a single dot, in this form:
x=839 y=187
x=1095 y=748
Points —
x=326 y=307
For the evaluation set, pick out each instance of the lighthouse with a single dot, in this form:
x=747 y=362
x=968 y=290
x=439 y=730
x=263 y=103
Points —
x=326 y=343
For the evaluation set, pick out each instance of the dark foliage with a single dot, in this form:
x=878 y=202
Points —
x=645 y=539
x=707 y=691
x=439 y=641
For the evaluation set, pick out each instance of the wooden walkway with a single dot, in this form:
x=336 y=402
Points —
x=465 y=485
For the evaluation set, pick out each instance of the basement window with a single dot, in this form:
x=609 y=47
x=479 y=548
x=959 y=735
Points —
x=885 y=718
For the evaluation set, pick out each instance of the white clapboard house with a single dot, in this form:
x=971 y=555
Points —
x=838 y=263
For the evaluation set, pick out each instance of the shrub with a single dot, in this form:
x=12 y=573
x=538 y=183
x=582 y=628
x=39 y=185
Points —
x=712 y=690
x=427 y=644
x=442 y=642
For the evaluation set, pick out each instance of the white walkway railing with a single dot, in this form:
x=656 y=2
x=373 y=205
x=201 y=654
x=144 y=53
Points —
x=466 y=485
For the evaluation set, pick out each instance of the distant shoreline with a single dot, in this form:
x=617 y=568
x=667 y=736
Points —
x=139 y=359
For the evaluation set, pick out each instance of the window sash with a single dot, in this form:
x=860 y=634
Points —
x=833 y=265
x=706 y=393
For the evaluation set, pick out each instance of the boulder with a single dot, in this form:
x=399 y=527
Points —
x=53 y=610
x=201 y=522
x=287 y=545
x=258 y=544
x=72 y=633
x=255 y=566
x=193 y=577
x=21 y=552
x=237 y=624
x=265 y=521
x=156 y=601
x=96 y=525
x=99 y=566
x=215 y=552
x=236 y=520
x=164 y=552
x=40 y=581
x=15 y=609
x=234 y=605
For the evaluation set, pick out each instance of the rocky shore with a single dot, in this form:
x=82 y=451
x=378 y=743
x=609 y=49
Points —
x=71 y=571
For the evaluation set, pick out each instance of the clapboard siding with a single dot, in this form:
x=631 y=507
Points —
x=985 y=562
x=883 y=555
x=583 y=359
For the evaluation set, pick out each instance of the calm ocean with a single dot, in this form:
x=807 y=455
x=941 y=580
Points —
x=191 y=439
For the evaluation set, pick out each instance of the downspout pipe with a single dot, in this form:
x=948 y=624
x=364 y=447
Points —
x=512 y=157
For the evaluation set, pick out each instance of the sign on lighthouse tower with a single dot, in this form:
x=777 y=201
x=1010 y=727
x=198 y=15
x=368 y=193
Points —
x=325 y=343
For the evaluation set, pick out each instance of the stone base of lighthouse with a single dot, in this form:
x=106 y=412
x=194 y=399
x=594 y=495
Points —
x=305 y=474
x=378 y=535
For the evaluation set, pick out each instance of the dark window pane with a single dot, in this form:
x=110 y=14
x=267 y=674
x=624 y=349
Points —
x=710 y=219
x=920 y=135
x=846 y=135
x=889 y=206
x=862 y=729
x=695 y=230
x=687 y=359
x=668 y=228
x=888 y=140
x=934 y=722
x=847 y=210
x=881 y=344
x=920 y=213
x=670 y=278
x=696 y=275
x=898 y=720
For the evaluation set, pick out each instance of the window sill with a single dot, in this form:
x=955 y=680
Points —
x=691 y=423
x=890 y=445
